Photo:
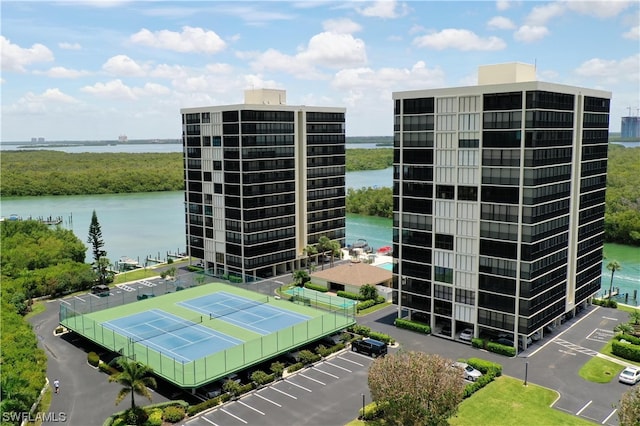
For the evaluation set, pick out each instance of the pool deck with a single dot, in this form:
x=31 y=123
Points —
x=378 y=259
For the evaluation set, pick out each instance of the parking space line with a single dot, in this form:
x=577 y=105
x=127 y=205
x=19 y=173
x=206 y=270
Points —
x=282 y=392
x=337 y=366
x=609 y=416
x=268 y=400
x=312 y=379
x=234 y=416
x=206 y=419
x=250 y=407
x=324 y=372
x=584 y=408
x=348 y=360
x=300 y=386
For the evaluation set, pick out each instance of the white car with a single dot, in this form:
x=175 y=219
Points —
x=468 y=372
x=466 y=335
x=630 y=375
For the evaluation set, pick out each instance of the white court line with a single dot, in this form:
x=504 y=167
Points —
x=300 y=386
x=584 y=408
x=312 y=379
x=233 y=415
x=80 y=299
x=324 y=372
x=337 y=366
x=250 y=407
x=268 y=400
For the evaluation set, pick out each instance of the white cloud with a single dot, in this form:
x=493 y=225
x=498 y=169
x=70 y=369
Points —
x=599 y=8
x=501 y=23
x=151 y=89
x=189 y=40
x=274 y=60
x=114 y=89
x=69 y=46
x=341 y=26
x=124 y=66
x=32 y=103
x=62 y=72
x=335 y=50
x=384 y=9
x=530 y=33
x=219 y=68
x=612 y=71
x=16 y=58
x=418 y=76
x=502 y=5
x=452 y=38
x=55 y=95
x=540 y=15
x=169 y=71
x=633 y=33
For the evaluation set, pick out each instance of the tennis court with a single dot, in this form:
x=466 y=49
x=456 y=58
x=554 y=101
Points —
x=194 y=336
x=185 y=340
x=253 y=315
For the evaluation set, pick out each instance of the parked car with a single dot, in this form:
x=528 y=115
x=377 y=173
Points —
x=521 y=341
x=466 y=335
x=100 y=290
x=536 y=336
x=212 y=390
x=630 y=375
x=446 y=330
x=504 y=341
x=468 y=372
x=371 y=347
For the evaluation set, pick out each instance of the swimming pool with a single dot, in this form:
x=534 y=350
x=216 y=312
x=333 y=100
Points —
x=387 y=265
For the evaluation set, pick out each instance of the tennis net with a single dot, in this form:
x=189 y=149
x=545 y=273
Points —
x=179 y=325
x=227 y=310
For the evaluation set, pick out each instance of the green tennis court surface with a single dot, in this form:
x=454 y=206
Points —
x=204 y=333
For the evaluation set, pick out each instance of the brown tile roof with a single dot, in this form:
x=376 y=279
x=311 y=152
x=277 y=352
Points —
x=356 y=274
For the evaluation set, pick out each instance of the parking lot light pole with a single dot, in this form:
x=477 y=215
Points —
x=526 y=372
x=362 y=406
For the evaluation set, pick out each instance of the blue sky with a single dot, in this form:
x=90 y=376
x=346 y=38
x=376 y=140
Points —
x=92 y=70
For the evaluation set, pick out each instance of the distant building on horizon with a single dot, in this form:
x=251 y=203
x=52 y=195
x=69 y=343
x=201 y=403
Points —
x=263 y=180
x=499 y=200
x=37 y=140
x=630 y=127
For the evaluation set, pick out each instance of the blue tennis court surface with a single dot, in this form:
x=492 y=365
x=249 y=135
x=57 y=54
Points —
x=253 y=315
x=173 y=336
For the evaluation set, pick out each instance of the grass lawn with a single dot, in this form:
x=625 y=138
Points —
x=506 y=401
x=599 y=370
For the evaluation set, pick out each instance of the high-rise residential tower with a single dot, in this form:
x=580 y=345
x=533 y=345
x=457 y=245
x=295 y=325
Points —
x=499 y=193
x=263 y=180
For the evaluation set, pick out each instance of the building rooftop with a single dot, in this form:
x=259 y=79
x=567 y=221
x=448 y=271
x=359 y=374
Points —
x=354 y=274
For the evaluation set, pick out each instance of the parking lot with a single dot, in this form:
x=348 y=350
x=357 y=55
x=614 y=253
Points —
x=328 y=393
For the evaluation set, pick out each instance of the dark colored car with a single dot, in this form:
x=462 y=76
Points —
x=371 y=347
x=100 y=290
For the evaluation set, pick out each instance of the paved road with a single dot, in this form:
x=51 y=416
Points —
x=87 y=398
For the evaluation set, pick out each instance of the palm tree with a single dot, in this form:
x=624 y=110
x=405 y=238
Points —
x=133 y=378
x=613 y=266
x=310 y=251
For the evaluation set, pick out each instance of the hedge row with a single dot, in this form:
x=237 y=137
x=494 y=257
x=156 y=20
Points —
x=490 y=370
x=493 y=347
x=165 y=406
x=412 y=325
x=315 y=287
x=348 y=295
x=607 y=303
x=366 y=332
x=630 y=350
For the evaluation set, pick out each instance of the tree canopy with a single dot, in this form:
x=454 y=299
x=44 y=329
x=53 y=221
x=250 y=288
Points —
x=416 y=388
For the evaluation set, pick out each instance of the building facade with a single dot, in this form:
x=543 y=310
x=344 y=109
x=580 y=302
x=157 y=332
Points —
x=263 y=180
x=630 y=127
x=499 y=194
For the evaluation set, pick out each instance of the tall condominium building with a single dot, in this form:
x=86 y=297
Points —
x=630 y=127
x=499 y=194
x=263 y=180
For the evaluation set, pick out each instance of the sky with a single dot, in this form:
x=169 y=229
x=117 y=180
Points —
x=94 y=70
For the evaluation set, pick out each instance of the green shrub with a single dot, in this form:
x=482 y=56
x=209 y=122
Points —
x=316 y=287
x=380 y=299
x=485 y=367
x=295 y=367
x=260 y=377
x=626 y=350
x=477 y=342
x=382 y=337
x=173 y=414
x=372 y=411
x=412 y=325
x=365 y=304
x=325 y=352
x=362 y=330
x=93 y=359
x=195 y=409
x=348 y=295
x=631 y=339
x=135 y=416
x=277 y=368
x=308 y=357
x=106 y=368
x=501 y=349
x=232 y=387
x=155 y=417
